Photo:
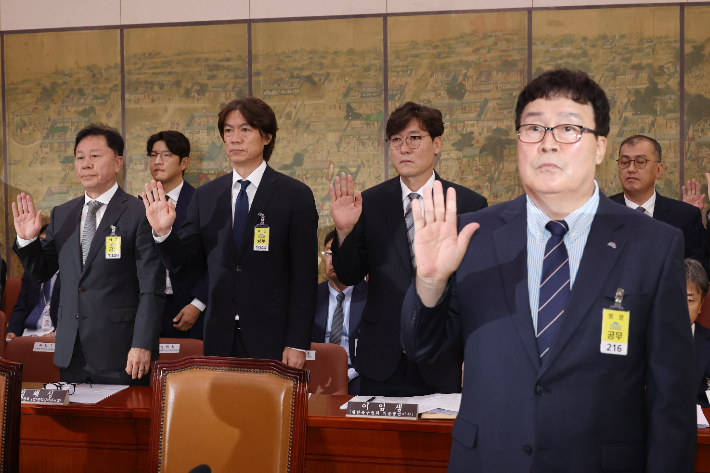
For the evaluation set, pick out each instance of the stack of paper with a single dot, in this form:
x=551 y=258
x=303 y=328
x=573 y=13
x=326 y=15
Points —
x=91 y=394
x=702 y=421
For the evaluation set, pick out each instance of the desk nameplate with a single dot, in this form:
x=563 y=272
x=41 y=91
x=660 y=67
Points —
x=383 y=410
x=44 y=396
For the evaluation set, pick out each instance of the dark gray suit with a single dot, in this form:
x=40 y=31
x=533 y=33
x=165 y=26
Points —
x=111 y=304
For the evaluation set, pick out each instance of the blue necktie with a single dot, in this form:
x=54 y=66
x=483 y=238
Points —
x=33 y=318
x=554 y=285
x=241 y=210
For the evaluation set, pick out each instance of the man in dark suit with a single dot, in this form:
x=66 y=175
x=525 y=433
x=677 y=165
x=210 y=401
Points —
x=639 y=167
x=255 y=233
x=169 y=155
x=35 y=312
x=536 y=293
x=696 y=280
x=112 y=282
x=338 y=312
x=375 y=231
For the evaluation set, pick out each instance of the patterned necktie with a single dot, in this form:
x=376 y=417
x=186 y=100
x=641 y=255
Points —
x=336 y=328
x=89 y=228
x=641 y=209
x=409 y=220
x=241 y=211
x=33 y=318
x=554 y=285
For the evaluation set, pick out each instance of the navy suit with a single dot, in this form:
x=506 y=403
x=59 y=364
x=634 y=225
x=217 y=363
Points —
x=30 y=293
x=185 y=290
x=702 y=362
x=579 y=410
x=685 y=217
x=357 y=304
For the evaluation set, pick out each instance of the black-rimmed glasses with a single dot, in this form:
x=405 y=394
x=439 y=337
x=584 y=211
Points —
x=565 y=133
x=71 y=387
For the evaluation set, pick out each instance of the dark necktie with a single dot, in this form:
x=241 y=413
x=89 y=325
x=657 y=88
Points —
x=89 y=229
x=336 y=327
x=554 y=285
x=641 y=209
x=33 y=318
x=241 y=210
x=409 y=220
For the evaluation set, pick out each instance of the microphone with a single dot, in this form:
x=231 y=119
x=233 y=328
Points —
x=201 y=469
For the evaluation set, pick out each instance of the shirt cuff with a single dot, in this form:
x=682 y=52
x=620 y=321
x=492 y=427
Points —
x=197 y=303
x=352 y=374
x=21 y=242
x=156 y=237
x=298 y=349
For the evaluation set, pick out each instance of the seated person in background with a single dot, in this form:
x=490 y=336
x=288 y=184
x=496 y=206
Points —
x=344 y=304
x=639 y=167
x=697 y=282
x=35 y=313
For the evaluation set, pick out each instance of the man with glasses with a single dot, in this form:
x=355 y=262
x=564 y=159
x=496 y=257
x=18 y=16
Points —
x=168 y=156
x=572 y=309
x=639 y=167
x=375 y=232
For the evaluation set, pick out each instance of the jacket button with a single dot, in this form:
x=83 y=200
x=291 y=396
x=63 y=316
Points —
x=539 y=390
x=232 y=301
x=81 y=289
x=76 y=316
x=527 y=449
x=238 y=268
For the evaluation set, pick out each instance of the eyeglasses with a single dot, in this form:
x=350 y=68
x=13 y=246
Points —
x=164 y=155
x=327 y=254
x=413 y=141
x=640 y=163
x=71 y=387
x=566 y=134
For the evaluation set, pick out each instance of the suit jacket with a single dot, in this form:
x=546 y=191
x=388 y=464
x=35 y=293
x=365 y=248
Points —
x=194 y=285
x=30 y=293
x=273 y=292
x=578 y=410
x=685 y=217
x=378 y=245
x=702 y=363
x=357 y=303
x=112 y=304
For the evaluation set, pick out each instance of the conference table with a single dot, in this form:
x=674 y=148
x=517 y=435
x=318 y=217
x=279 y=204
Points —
x=113 y=436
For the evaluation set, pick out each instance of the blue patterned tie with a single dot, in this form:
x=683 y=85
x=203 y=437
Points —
x=554 y=285
x=241 y=210
x=33 y=318
x=409 y=221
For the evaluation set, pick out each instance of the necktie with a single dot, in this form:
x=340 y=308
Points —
x=336 y=328
x=241 y=210
x=409 y=220
x=89 y=229
x=641 y=209
x=33 y=318
x=554 y=285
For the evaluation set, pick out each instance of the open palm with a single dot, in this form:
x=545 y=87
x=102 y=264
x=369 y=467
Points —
x=28 y=222
x=160 y=213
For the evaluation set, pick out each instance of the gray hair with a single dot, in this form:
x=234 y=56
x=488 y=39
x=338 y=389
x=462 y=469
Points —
x=695 y=274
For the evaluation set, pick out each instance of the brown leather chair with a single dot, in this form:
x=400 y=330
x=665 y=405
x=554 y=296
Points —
x=329 y=371
x=188 y=347
x=10 y=385
x=232 y=414
x=3 y=332
x=12 y=292
x=38 y=366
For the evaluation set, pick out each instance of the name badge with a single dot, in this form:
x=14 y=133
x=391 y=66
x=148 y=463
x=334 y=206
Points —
x=113 y=245
x=44 y=347
x=261 y=235
x=310 y=355
x=615 y=328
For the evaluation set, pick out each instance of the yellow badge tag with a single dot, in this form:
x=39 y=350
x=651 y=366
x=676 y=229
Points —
x=113 y=247
x=261 y=238
x=615 y=331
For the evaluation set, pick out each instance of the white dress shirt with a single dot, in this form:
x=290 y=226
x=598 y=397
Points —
x=649 y=206
x=406 y=191
x=345 y=338
x=40 y=329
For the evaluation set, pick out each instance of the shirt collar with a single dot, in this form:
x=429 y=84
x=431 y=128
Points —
x=406 y=191
x=334 y=292
x=254 y=178
x=578 y=221
x=104 y=198
x=175 y=193
x=648 y=206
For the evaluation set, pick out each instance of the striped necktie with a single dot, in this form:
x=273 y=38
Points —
x=89 y=228
x=336 y=327
x=409 y=220
x=554 y=285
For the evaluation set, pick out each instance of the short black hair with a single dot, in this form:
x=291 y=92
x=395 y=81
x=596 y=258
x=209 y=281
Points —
x=114 y=140
x=574 y=85
x=695 y=274
x=632 y=140
x=332 y=235
x=429 y=118
x=258 y=114
x=176 y=142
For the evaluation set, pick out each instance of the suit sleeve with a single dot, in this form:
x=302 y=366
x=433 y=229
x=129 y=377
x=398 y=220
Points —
x=303 y=242
x=696 y=246
x=350 y=256
x=23 y=307
x=41 y=259
x=200 y=290
x=670 y=376
x=151 y=280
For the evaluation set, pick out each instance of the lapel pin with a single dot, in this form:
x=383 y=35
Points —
x=611 y=244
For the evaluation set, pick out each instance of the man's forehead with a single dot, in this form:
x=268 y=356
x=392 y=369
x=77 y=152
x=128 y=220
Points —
x=92 y=143
x=558 y=107
x=414 y=126
x=640 y=147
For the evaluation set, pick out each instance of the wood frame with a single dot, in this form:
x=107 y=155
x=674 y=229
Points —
x=11 y=434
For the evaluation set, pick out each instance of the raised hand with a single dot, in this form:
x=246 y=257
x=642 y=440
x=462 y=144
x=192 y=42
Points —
x=438 y=247
x=691 y=194
x=161 y=214
x=28 y=222
x=345 y=205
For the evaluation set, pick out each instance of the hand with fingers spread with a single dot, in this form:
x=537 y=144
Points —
x=345 y=205
x=691 y=194
x=438 y=247
x=160 y=213
x=28 y=222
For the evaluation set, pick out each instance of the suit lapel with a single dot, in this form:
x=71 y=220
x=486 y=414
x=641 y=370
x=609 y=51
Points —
x=597 y=261
x=660 y=209
x=266 y=189
x=182 y=203
x=113 y=212
x=394 y=215
x=511 y=250
x=702 y=351
x=73 y=242
x=321 y=321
